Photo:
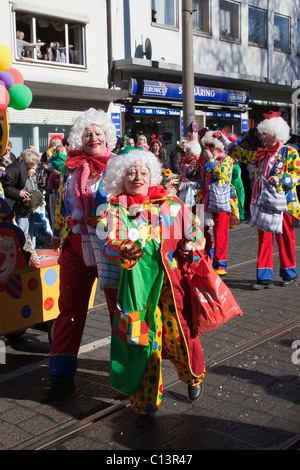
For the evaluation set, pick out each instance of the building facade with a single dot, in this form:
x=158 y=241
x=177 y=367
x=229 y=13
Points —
x=119 y=56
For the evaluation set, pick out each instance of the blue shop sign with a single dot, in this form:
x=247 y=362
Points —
x=174 y=91
x=150 y=111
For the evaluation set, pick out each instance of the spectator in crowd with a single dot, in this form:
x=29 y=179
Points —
x=8 y=157
x=55 y=168
x=142 y=142
x=157 y=149
x=21 y=43
x=130 y=142
x=19 y=179
x=177 y=155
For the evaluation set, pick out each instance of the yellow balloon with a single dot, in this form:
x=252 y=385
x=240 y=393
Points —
x=6 y=58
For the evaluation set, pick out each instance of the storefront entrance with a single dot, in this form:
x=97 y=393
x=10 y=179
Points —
x=164 y=124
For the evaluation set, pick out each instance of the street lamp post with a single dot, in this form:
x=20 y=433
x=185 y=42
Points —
x=188 y=83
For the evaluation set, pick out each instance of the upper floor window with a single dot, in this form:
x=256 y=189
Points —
x=257 y=27
x=164 y=12
x=49 y=39
x=282 y=35
x=201 y=16
x=230 y=20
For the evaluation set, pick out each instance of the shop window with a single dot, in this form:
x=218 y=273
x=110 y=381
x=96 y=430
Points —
x=230 y=20
x=257 y=27
x=49 y=39
x=164 y=12
x=282 y=41
x=201 y=16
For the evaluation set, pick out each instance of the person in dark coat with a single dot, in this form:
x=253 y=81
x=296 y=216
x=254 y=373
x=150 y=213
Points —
x=16 y=176
x=176 y=156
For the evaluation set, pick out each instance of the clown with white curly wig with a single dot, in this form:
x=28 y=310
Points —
x=279 y=164
x=91 y=140
x=151 y=235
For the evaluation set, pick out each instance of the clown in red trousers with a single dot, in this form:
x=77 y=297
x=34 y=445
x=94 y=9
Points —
x=81 y=201
x=279 y=164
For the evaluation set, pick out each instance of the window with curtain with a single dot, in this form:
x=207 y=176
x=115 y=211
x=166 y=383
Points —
x=230 y=20
x=201 y=16
x=49 y=39
x=165 y=12
x=282 y=35
x=257 y=27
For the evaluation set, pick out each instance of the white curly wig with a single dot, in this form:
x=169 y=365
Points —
x=275 y=126
x=117 y=167
x=209 y=139
x=193 y=148
x=89 y=117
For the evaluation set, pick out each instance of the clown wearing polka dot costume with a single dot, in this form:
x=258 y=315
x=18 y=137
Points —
x=151 y=234
x=280 y=165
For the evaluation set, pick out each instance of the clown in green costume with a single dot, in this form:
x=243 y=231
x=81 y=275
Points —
x=151 y=234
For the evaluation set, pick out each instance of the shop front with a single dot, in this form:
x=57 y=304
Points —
x=158 y=110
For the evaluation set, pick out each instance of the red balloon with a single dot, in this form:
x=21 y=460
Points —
x=18 y=77
x=4 y=98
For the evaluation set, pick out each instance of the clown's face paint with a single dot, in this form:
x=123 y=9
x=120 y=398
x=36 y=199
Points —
x=8 y=257
x=94 y=140
x=137 y=180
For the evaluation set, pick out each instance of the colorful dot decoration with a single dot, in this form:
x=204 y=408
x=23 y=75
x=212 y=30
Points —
x=50 y=277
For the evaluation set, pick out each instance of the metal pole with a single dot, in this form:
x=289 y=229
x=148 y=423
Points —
x=188 y=83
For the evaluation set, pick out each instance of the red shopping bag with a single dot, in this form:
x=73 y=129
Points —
x=212 y=301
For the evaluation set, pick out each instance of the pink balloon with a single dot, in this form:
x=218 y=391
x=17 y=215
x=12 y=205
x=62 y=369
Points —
x=17 y=76
x=4 y=98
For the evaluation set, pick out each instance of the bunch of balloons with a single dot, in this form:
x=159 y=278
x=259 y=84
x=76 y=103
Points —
x=13 y=92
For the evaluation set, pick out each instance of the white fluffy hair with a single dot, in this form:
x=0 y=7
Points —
x=193 y=148
x=89 y=117
x=275 y=126
x=117 y=167
x=209 y=139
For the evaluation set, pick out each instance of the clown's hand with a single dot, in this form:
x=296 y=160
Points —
x=130 y=250
x=186 y=248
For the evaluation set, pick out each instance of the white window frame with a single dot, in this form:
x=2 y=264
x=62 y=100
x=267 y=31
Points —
x=280 y=49
x=255 y=43
x=33 y=38
x=230 y=21
x=161 y=6
x=196 y=28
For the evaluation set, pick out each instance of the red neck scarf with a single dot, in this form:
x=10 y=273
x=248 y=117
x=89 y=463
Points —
x=97 y=163
x=155 y=193
x=87 y=166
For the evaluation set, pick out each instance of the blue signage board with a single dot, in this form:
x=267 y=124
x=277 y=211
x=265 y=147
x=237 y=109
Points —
x=174 y=91
x=245 y=125
x=150 y=111
x=116 y=119
x=222 y=115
